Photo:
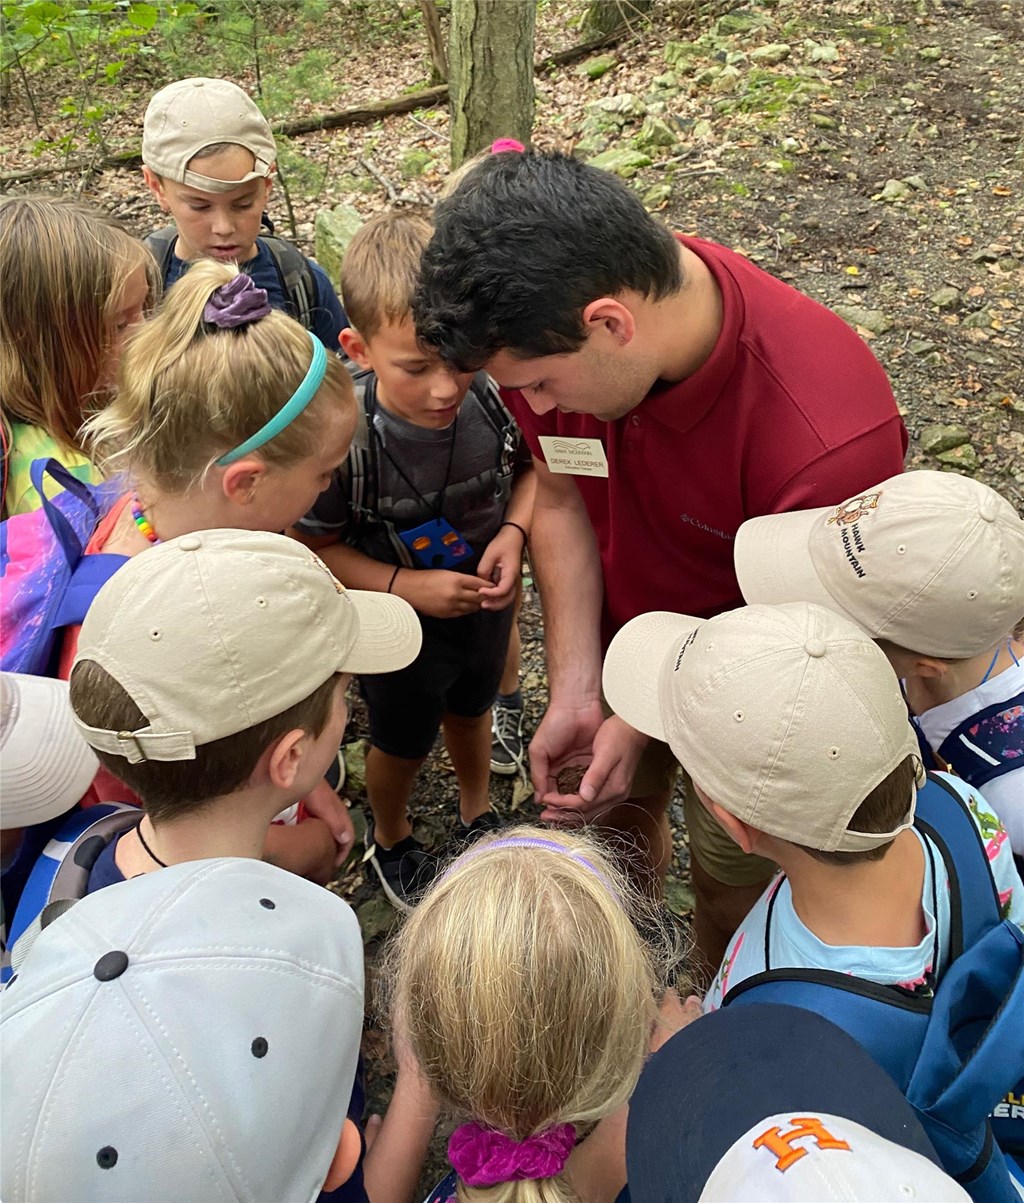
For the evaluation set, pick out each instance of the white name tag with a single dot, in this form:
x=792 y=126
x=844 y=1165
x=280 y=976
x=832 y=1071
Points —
x=576 y=457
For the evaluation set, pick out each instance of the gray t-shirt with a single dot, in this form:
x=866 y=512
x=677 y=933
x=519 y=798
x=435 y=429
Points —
x=396 y=473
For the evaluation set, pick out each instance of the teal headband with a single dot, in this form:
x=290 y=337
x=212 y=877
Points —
x=291 y=409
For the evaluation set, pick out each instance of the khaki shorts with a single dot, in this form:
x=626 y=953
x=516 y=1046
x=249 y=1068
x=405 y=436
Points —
x=716 y=853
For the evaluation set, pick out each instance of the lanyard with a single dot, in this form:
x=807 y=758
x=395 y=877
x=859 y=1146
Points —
x=436 y=509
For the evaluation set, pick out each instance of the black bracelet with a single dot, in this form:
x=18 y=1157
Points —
x=394 y=575
x=521 y=530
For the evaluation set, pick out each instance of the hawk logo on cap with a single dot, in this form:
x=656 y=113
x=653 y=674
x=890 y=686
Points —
x=338 y=586
x=855 y=509
x=804 y=1126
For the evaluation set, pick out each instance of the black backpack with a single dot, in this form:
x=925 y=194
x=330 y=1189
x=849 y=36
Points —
x=297 y=281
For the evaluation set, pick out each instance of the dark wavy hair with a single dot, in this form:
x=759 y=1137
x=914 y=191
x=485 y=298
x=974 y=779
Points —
x=522 y=246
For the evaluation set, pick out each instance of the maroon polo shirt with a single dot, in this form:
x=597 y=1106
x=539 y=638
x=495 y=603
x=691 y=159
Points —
x=790 y=411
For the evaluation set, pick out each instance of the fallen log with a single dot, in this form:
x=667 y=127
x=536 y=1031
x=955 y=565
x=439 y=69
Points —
x=359 y=115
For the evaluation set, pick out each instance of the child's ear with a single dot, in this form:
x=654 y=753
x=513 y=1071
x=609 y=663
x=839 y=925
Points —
x=240 y=480
x=734 y=828
x=929 y=669
x=354 y=346
x=155 y=185
x=346 y=1157
x=285 y=758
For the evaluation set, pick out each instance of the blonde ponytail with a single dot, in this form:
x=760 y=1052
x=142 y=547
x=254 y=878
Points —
x=188 y=392
x=526 y=993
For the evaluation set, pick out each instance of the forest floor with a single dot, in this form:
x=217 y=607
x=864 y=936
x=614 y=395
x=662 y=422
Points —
x=869 y=152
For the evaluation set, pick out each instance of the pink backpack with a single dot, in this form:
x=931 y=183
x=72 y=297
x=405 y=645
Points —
x=46 y=579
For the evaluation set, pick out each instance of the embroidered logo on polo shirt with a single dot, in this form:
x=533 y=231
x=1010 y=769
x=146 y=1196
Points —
x=711 y=530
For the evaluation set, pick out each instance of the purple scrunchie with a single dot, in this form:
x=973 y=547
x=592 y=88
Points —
x=237 y=303
x=485 y=1157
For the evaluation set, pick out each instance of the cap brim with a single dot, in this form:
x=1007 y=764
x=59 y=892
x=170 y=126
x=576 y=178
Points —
x=390 y=635
x=46 y=765
x=704 y=1089
x=633 y=664
x=773 y=560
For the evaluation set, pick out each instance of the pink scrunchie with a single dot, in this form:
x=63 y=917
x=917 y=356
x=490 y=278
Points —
x=237 y=303
x=484 y=1157
x=503 y=144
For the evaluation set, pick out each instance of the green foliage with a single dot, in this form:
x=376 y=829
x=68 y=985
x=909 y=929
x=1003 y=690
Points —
x=89 y=41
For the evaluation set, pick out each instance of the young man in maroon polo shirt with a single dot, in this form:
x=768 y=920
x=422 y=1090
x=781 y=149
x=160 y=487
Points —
x=669 y=390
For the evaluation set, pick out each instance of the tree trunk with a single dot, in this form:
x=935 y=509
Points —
x=435 y=40
x=490 y=61
x=609 y=16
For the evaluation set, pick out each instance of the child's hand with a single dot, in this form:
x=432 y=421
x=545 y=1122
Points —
x=440 y=592
x=325 y=804
x=307 y=849
x=501 y=564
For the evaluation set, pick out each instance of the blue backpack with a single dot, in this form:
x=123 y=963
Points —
x=61 y=874
x=48 y=581
x=958 y=1056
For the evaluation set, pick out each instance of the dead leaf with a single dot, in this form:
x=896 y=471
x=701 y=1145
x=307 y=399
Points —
x=976 y=290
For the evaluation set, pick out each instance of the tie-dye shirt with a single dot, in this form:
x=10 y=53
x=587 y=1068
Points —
x=795 y=946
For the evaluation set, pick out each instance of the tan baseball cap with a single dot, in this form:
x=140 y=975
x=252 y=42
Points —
x=930 y=561
x=186 y=117
x=787 y=716
x=214 y=632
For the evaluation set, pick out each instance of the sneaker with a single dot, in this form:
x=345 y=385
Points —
x=463 y=836
x=507 y=740
x=405 y=871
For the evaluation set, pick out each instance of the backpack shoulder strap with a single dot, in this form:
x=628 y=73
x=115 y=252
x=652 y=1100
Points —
x=63 y=868
x=161 y=243
x=297 y=280
x=944 y=816
x=887 y=1021
x=987 y=744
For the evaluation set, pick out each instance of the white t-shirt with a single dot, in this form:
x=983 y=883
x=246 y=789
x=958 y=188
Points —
x=1005 y=794
x=795 y=946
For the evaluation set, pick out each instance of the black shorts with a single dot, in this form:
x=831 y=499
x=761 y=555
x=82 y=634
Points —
x=457 y=672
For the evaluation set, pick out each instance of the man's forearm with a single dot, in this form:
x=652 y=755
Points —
x=565 y=559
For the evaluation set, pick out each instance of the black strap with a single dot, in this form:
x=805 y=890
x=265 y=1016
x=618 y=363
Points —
x=298 y=284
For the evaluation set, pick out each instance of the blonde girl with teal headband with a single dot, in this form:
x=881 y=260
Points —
x=228 y=414
x=526 y=997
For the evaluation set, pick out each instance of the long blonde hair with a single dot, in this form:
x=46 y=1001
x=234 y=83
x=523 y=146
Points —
x=63 y=270
x=525 y=992
x=188 y=392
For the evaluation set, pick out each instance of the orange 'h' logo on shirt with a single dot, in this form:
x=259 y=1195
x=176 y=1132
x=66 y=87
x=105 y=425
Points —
x=781 y=1143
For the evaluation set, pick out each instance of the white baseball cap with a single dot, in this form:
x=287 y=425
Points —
x=45 y=764
x=191 y=114
x=930 y=561
x=787 y=716
x=189 y=1034
x=214 y=632
x=775 y=1104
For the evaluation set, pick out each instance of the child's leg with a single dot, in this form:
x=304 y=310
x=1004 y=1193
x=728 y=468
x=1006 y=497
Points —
x=389 y=782
x=484 y=639
x=468 y=741
x=507 y=714
x=509 y=683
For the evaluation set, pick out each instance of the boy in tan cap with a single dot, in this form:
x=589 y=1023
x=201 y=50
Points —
x=209 y=158
x=796 y=735
x=931 y=566
x=210 y=678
